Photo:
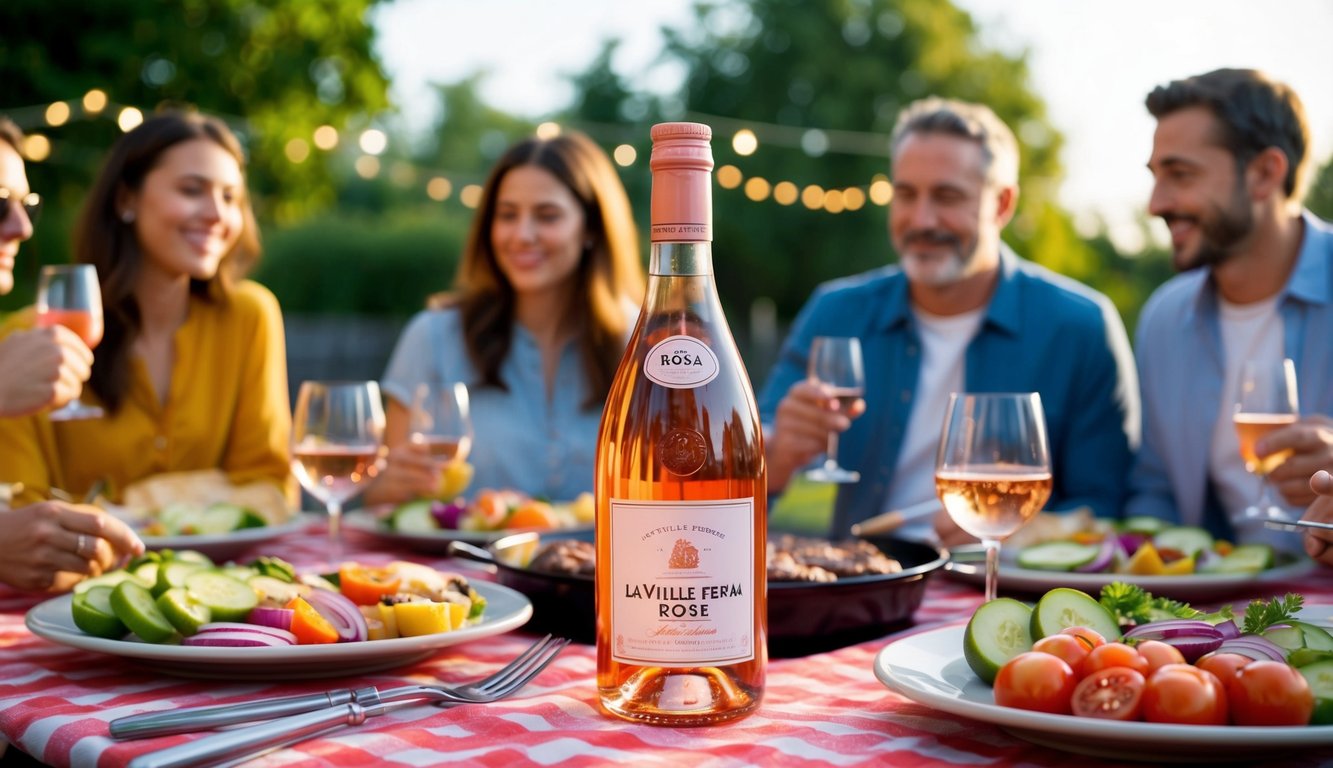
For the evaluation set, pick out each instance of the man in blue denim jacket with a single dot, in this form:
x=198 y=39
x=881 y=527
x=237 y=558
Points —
x=961 y=313
x=1230 y=162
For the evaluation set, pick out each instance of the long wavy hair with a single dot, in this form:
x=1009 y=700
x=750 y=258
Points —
x=102 y=239
x=609 y=271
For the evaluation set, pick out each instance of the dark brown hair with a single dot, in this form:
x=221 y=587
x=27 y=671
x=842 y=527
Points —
x=102 y=239
x=1253 y=111
x=609 y=272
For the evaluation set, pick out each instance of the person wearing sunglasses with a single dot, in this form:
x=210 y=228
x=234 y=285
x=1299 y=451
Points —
x=49 y=545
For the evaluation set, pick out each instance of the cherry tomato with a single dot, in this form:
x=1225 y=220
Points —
x=1269 y=693
x=1159 y=654
x=1111 y=694
x=1070 y=649
x=1091 y=636
x=1114 y=655
x=1180 y=693
x=1036 y=681
x=1223 y=665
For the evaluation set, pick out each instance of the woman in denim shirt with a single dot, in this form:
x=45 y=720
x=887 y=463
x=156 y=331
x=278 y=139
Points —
x=544 y=302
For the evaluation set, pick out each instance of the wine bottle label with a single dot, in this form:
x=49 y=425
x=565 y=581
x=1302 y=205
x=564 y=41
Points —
x=682 y=582
x=681 y=362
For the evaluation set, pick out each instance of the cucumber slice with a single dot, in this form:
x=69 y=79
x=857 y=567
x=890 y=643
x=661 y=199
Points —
x=1320 y=677
x=1288 y=638
x=1249 y=558
x=182 y=518
x=414 y=517
x=220 y=518
x=134 y=605
x=173 y=574
x=1063 y=607
x=276 y=591
x=93 y=613
x=189 y=556
x=997 y=632
x=1143 y=524
x=146 y=572
x=1316 y=637
x=239 y=572
x=227 y=599
x=109 y=580
x=184 y=612
x=1058 y=555
x=1184 y=538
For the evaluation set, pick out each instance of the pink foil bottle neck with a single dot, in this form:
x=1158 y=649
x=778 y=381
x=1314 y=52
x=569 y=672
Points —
x=682 y=200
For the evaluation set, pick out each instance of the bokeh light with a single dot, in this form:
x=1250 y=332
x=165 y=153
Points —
x=94 y=101
x=470 y=196
x=548 y=131
x=729 y=177
x=785 y=193
x=36 y=147
x=812 y=196
x=367 y=166
x=297 y=150
x=326 y=137
x=757 y=189
x=439 y=189
x=129 y=119
x=57 y=114
x=881 y=191
x=745 y=142
x=373 y=141
x=625 y=155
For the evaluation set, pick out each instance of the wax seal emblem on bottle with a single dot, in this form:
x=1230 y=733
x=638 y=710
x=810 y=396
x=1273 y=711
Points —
x=682 y=451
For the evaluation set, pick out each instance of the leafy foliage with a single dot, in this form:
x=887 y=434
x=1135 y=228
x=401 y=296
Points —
x=1262 y=614
x=1132 y=605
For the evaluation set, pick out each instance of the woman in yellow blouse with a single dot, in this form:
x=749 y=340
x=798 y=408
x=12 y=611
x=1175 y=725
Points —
x=191 y=370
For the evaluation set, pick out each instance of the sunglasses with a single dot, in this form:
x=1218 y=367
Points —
x=31 y=202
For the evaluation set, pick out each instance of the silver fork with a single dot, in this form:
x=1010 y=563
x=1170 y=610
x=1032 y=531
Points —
x=232 y=746
x=498 y=685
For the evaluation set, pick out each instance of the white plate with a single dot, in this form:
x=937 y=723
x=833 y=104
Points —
x=505 y=610
x=225 y=546
x=436 y=542
x=1199 y=586
x=928 y=668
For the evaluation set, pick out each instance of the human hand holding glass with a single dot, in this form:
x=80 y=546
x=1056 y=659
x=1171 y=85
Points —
x=993 y=469
x=440 y=424
x=70 y=295
x=836 y=362
x=1266 y=401
x=336 y=435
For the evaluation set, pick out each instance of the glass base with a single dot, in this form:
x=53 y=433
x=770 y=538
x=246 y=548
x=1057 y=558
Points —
x=833 y=474
x=74 y=411
x=1271 y=512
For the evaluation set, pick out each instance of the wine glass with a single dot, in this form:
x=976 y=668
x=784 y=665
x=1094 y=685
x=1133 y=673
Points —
x=1266 y=401
x=836 y=361
x=336 y=437
x=441 y=420
x=993 y=469
x=70 y=295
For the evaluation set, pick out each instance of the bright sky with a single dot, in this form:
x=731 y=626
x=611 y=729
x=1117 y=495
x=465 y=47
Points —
x=1092 y=62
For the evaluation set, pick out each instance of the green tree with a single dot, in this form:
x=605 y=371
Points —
x=1320 y=198
x=274 y=70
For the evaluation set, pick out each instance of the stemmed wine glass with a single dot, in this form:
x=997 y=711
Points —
x=993 y=469
x=441 y=420
x=70 y=295
x=836 y=361
x=336 y=437
x=1266 y=401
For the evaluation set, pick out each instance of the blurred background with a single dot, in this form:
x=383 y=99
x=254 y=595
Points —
x=370 y=125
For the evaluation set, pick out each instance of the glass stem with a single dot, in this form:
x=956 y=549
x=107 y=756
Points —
x=831 y=461
x=992 y=547
x=335 y=508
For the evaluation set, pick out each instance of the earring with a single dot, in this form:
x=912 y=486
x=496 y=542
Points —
x=127 y=216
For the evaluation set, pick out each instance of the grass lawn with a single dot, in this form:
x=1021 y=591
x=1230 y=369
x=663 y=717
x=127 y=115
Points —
x=806 y=508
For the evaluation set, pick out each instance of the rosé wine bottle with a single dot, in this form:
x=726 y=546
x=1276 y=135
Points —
x=680 y=481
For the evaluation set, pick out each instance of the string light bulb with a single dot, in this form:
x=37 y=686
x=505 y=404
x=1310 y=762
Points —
x=57 y=114
x=94 y=101
x=129 y=119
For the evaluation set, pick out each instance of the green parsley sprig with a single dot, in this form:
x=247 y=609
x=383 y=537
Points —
x=1132 y=605
x=1261 y=614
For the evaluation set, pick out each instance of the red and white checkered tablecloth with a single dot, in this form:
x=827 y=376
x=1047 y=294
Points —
x=821 y=710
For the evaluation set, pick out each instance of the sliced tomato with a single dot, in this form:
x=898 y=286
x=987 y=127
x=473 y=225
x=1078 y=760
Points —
x=1180 y=693
x=1269 y=693
x=1115 y=693
x=1036 y=681
x=364 y=585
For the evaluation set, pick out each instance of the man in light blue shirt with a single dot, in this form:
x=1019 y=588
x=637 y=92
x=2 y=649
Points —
x=1230 y=161
x=961 y=313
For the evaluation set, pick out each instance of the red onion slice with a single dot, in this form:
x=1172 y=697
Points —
x=237 y=638
x=342 y=613
x=1172 y=628
x=236 y=626
x=1255 y=647
x=264 y=616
